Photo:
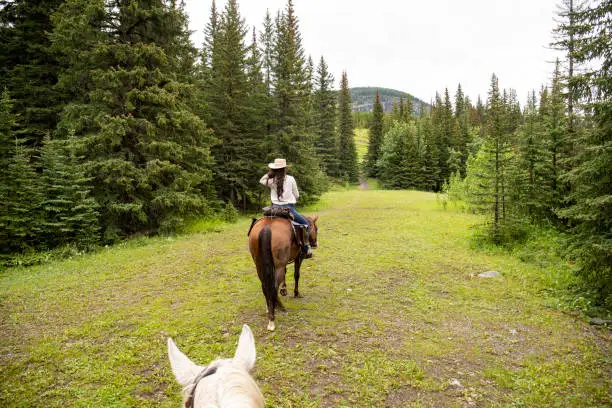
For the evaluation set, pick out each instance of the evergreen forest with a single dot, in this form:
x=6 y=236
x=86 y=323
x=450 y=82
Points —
x=113 y=125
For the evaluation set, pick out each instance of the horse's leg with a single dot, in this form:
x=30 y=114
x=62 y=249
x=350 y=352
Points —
x=296 y=276
x=270 y=311
x=280 y=279
x=283 y=285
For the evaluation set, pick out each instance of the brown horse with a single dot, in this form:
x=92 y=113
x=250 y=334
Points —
x=273 y=246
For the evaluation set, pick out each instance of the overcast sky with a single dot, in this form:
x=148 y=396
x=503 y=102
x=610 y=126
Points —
x=419 y=47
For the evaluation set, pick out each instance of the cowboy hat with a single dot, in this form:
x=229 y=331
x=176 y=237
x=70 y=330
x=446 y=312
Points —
x=278 y=164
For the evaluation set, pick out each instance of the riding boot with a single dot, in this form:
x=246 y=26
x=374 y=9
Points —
x=306 y=252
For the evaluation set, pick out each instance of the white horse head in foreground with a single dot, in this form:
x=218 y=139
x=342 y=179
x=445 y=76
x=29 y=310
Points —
x=224 y=383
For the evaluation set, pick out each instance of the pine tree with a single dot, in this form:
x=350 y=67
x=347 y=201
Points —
x=566 y=39
x=267 y=40
x=21 y=220
x=8 y=124
x=375 y=136
x=440 y=138
x=291 y=139
x=408 y=108
x=325 y=106
x=260 y=106
x=489 y=173
x=210 y=36
x=347 y=152
x=145 y=149
x=556 y=137
x=7 y=142
x=399 y=166
x=28 y=67
x=69 y=213
x=311 y=125
x=535 y=161
x=462 y=128
x=234 y=110
x=430 y=156
x=590 y=209
x=447 y=137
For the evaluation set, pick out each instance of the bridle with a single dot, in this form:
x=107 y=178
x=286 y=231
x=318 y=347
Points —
x=207 y=371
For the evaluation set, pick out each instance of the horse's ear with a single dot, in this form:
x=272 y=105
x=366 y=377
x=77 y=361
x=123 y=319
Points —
x=183 y=368
x=315 y=218
x=245 y=353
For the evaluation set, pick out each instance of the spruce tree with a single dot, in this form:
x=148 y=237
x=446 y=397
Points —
x=69 y=213
x=535 y=161
x=347 y=152
x=28 y=67
x=557 y=136
x=291 y=138
x=210 y=36
x=447 y=137
x=488 y=175
x=440 y=138
x=408 y=110
x=21 y=219
x=375 y=137
x=8 y=124
x=462 y=128
x=267 y=50
x=234 y=102
x=145 y=149
x=399 y=166
x=325 y=118
x=268 y=40
x=566 y=39
x=590 y=199
x=7 y=146
x=430 y=156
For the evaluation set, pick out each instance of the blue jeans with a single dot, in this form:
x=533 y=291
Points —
x=296 y=215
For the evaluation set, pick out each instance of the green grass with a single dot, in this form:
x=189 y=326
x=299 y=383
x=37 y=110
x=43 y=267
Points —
x=361 y=143
x=393 y=313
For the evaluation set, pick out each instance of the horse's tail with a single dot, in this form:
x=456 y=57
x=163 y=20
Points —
x=268 y=280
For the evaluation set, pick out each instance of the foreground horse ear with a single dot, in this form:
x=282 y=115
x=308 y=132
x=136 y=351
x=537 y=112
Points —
x=183 y=368
x=315 y=218
x=245 y=353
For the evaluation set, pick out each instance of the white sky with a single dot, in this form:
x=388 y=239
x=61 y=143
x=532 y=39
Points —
x=417 y=46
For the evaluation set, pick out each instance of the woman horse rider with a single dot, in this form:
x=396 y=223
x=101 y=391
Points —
x=284 y=193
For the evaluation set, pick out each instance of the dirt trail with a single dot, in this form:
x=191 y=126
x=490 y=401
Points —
x=363 y=183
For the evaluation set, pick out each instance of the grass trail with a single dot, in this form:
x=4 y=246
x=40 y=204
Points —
x=361 y=143
x=393 y=315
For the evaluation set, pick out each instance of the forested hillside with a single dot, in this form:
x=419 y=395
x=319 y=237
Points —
x=363 y=99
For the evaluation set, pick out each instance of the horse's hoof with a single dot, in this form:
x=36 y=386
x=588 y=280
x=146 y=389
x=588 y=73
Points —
x=283 y=292
x=271 y=326
x=298 y=295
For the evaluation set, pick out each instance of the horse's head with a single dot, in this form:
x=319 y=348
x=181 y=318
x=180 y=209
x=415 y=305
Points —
x=224 y=382
x=314 y=230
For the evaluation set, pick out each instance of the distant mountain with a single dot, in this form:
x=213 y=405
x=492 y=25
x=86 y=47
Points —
x=363 y=99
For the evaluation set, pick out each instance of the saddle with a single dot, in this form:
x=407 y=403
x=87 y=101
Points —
x=281 y=212
x=299 y=230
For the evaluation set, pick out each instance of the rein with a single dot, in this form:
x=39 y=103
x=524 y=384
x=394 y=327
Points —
x=203 y=374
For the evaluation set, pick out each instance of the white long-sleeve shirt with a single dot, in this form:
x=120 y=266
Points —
x=290 y=190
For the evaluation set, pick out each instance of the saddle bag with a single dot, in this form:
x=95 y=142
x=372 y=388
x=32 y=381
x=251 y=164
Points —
x=277 y=212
